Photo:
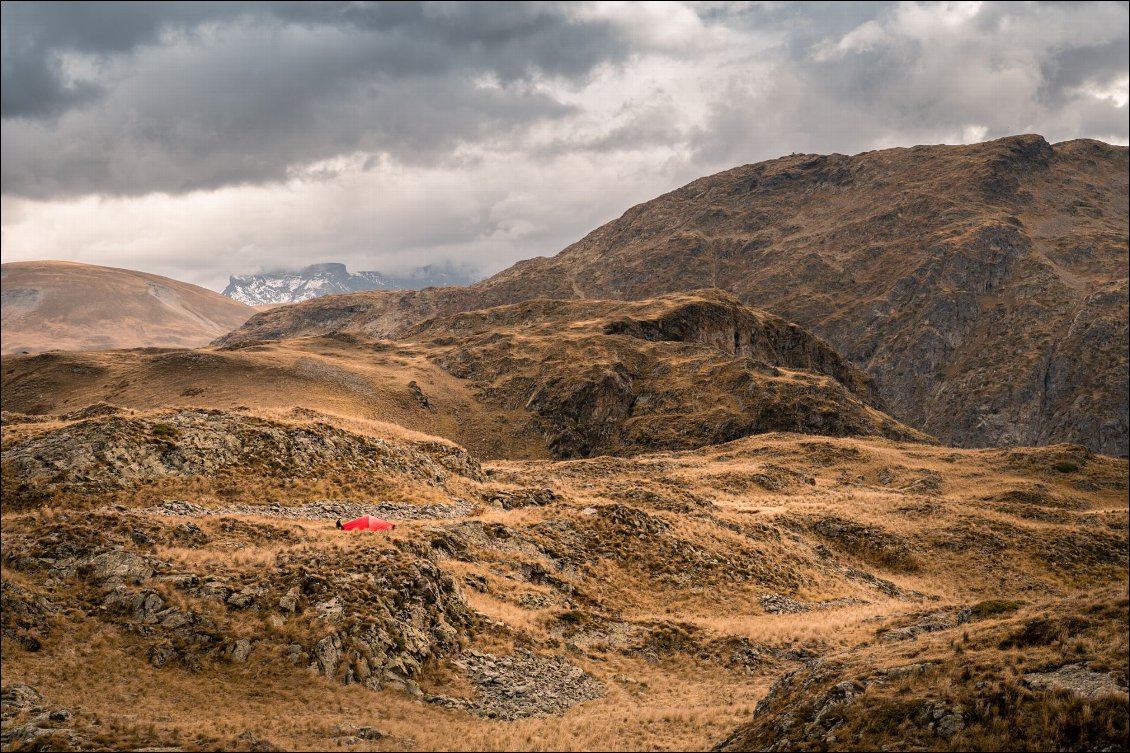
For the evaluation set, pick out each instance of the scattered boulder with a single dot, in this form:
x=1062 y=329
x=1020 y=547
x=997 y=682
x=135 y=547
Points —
x=928 y=623
x=1077 y=679
x=92 y=411
x=28 y=722
x=512 y=499
x=777 y=604
x=520 y=685
x=250 y=742
x=25 y=616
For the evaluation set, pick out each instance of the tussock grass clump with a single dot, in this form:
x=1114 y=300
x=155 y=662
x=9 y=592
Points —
x=1044 y=631
x=161 y=429
x=573 y=617
x=995 y=607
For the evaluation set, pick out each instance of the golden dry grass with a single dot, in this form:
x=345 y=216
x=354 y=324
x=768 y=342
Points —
x=650 y=633
x=71 y=306
x=364 y=391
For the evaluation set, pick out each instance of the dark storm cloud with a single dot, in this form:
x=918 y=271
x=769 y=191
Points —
x=181 y=97
x=133 y=98
x=1065 y=70
x=509 y=39
x=36 y=35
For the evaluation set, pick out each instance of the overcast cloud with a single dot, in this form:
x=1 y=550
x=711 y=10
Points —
x=200 y=140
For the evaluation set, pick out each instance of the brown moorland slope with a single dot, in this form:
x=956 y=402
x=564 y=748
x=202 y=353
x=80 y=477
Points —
x=983 y=287
x=538 y=379
x=868 y=593
x=54 y=305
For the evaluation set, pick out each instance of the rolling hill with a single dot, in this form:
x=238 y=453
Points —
x=54 y=305
x=543 y=378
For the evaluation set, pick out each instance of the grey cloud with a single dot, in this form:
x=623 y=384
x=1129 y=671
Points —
x=36 y=35
x=1066 y=70
x=652 y=122
x=225 y=123
x=509 y=39
x=193 y=105
x=32 y=85
x=799 y=25
x=1014 y=67
x=480 y=133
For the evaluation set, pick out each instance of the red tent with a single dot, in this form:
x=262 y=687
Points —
x=366 y=523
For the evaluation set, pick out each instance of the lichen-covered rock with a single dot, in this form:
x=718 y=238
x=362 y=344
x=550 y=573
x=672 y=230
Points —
x=28 y=722
x=1076 y=679
x=520 y=685
x=928 y=623
x=25 y=616
x=380 y=613
x=117 y=452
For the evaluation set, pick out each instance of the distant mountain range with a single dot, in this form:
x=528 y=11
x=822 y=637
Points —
x=332 y=278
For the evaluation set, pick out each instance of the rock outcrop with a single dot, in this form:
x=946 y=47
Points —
x=372 y=616
x=118 y=453
x=520 y=685
x=674 y=372
x=952 y=697
x=31 y=723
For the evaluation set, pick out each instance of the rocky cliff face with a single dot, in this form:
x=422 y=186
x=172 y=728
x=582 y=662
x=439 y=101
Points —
x=673 y=372
x=983 y=287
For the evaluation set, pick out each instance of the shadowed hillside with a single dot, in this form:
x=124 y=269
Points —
x=983 y=287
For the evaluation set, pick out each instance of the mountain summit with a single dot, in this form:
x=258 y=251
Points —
x=333 y=278
x=983 y=287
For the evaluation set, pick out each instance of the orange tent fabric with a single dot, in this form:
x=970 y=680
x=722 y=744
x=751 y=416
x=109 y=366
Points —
x=367 y=523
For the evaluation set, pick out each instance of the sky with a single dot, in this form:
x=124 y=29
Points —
x=200 y=140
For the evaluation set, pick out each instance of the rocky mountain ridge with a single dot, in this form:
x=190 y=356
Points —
x=333 y=278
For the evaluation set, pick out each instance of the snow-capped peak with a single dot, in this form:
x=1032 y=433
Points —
x=333 y=278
